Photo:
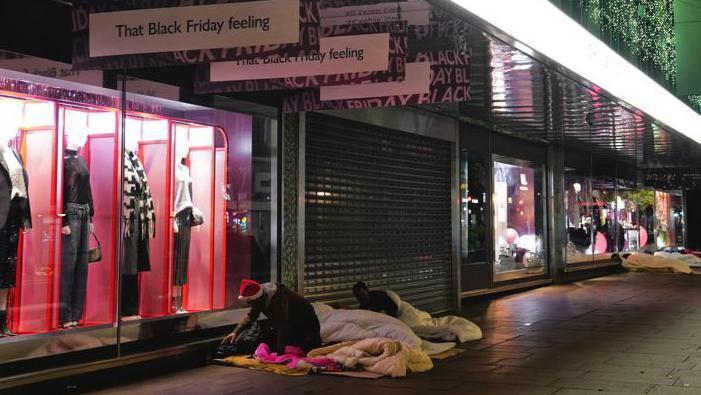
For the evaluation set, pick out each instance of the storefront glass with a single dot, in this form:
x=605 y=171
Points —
x=124 y=206
x=581 y=224
x=669 y=214
x=519 y=238
x=636 y=215
x=473 y=208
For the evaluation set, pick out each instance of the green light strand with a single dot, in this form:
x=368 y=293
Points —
x=695 y=102
x=645 y=27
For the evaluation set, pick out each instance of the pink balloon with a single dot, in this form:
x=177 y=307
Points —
x=601 y=243
x=511 y=236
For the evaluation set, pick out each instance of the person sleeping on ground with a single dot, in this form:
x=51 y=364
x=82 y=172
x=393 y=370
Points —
x=448 y=328
x=292 y=318
x=377 y=301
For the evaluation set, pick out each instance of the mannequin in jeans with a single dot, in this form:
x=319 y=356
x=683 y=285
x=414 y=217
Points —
x=15 y=213
x=77 y=226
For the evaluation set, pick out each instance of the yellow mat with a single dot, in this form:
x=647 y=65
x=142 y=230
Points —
x=251 y=363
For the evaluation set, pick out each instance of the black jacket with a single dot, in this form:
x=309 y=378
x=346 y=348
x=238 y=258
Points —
x=380 y=302
x=6 y=193
x=293 y=318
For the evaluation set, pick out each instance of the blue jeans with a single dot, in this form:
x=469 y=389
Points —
x=74 y=262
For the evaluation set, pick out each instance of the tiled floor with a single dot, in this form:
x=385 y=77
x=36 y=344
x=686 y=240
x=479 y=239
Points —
x=628 y=333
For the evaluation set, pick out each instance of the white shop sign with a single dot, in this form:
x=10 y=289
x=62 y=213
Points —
x=228 y=25
x=415 y=12
x=151 y=88
x=417 y=80
x=337 y=55
x=52 y=69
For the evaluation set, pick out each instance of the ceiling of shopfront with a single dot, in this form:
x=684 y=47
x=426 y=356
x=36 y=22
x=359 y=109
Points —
x=521 y=95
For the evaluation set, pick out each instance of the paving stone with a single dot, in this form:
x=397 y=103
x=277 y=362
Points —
x=603 y=385
x=668 y=390
x=569 y=391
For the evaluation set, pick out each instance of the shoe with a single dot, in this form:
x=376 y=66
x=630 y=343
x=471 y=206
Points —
x=73 y=324
x=131 y=318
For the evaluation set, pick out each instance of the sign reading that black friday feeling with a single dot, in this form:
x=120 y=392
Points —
x=195 y=27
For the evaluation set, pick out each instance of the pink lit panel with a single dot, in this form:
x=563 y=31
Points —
x=199 y=275
x=100 y=153
x=40 y=247
x=218 y=289
x=154 y=284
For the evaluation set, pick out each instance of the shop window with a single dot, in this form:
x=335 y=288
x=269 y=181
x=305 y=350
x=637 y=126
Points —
x=608 y=234
x=636 y=215
x=194 y=217
x=670 y=219
x=519 y=239
x=473 y=206
x=581 y=223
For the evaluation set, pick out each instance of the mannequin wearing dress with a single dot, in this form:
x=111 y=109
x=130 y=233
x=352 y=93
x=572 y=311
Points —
x=182 y=223
x=139 y=220
x=15 y=215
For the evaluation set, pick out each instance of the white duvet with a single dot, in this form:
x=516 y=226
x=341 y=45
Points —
x=340 y=325
x=450 y=328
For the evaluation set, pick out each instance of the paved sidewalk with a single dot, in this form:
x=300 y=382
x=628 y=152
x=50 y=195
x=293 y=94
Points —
x=627 y=333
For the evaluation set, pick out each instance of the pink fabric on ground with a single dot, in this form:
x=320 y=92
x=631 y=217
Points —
x=292 y=357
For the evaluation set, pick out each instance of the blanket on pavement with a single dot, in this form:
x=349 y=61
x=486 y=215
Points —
x=341 y=325
x=650 y=263
x=381 y=355
x=450 y=328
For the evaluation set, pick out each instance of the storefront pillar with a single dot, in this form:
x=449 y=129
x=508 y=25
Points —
x=292 y=196
x=557 y=240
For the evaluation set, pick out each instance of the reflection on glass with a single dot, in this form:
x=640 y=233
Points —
x=670 y=219
x=473 y=206
x=581 y=224
x=518 y=218
x=636 y=216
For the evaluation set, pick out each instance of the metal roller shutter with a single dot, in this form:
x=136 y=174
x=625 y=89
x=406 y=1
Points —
x=377 y=209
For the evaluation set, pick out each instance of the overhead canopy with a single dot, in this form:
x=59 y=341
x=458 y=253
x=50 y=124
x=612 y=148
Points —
x=539 y=73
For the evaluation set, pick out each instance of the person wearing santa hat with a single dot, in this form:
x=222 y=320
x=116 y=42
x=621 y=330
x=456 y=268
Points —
x=292 y=317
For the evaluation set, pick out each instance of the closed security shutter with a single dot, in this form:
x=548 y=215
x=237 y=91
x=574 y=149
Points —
x=378 y=209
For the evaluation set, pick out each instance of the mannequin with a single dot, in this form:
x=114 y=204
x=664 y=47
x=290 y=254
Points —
x=15 y=214
x=139 y=224
x=78 y=211
x=182 y=222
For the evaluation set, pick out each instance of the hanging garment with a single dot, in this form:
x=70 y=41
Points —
x=130 y=295
x=76 y=183
x=12 y=185
x=15 y=213
x=9 y=241
x=138 y=205
x=183 y=189
x=74 y=262
x=181 y=245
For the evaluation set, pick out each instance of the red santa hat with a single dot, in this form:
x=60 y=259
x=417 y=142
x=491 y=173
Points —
x=250 y=290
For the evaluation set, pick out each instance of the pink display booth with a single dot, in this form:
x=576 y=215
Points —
x=45 y=139
x=205 y=157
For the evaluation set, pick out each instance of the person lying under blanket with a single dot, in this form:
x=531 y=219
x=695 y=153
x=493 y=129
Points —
x=377 y=301
x=293 y=318
x=449 y=328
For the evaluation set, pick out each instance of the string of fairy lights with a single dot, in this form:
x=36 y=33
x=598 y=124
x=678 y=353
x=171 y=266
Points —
x=646 y=27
